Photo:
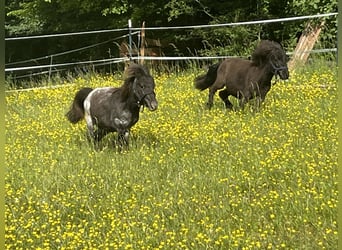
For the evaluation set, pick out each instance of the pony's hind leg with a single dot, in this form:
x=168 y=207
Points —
x=95 y=134
x=212 y=90
x=90 y=126
x=224 y=96
x=99 y=134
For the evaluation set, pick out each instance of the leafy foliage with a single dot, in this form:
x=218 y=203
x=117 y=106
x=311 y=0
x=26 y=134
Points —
x=29 y=17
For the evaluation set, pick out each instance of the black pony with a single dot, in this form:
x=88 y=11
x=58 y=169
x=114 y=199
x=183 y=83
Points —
x=245 y=79
x=110 y=109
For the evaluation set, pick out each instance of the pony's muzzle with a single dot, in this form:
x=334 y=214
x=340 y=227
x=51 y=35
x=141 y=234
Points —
x=284 y=74
x=153 y=105
x=151 y=102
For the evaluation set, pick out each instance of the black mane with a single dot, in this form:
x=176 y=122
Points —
x=132 y=72
x=263 y=51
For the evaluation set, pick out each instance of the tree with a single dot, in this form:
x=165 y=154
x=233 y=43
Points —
x=30 y=17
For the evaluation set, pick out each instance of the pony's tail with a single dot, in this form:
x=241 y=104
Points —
x=205 y=81
x=76 y=112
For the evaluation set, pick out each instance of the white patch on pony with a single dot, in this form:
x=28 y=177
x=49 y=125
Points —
x=87 y=115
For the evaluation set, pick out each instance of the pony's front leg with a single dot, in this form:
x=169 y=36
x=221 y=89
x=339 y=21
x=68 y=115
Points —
x=258 y=101
x=242 y=103
x=243 y=99
x=123 y=138
x=261 y=95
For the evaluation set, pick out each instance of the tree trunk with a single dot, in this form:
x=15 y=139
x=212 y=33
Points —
x=305 y=44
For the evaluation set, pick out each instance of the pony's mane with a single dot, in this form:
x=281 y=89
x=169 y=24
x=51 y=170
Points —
x=264 y=50
x=133 y=71
x=136 y=70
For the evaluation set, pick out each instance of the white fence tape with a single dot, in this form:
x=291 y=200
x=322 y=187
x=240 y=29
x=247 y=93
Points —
x=285 y=19
x=151 y=58
x=122 y=59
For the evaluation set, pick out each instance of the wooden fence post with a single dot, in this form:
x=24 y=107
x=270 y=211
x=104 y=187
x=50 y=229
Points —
x=142 y=45
x=305 y=44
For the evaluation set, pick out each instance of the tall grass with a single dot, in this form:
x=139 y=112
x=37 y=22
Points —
x=192 y=178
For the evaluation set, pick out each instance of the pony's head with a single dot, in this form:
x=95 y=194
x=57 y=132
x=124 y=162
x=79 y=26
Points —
x=142 y=85
x=273 y=54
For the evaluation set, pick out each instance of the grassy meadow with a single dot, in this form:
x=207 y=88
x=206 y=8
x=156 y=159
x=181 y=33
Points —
x=192 y=178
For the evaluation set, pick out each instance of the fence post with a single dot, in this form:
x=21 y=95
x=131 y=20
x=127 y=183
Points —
x=130 y=39
x=142 y=44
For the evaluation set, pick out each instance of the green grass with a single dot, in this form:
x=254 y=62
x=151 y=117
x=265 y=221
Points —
x=192 y=178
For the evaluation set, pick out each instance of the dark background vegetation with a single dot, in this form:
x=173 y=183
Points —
x=37 y=17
